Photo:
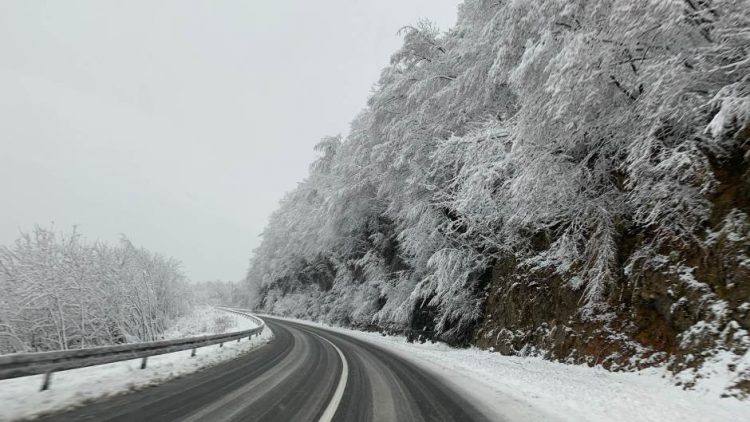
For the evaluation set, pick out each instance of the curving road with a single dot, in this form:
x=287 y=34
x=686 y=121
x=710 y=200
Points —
x=303 y=374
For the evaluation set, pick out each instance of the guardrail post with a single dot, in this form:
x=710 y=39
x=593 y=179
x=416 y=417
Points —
x=42 y=364
x=47 y=379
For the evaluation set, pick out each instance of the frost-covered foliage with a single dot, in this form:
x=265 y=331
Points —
x=219 y=293
x=541 y=130
x=60 y=292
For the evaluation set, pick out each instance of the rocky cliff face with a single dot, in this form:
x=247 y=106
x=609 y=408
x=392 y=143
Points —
x=685 y=306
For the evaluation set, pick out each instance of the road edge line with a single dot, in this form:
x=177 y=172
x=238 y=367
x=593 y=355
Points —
x=333 y=405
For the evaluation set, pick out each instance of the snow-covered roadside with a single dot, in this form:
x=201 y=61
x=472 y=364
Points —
x=206 y=321
x=534 y=389
x=20 y=398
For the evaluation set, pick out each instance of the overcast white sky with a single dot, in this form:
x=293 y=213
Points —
x=180 y=123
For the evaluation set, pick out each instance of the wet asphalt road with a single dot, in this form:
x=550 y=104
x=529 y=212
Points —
x=295 y=377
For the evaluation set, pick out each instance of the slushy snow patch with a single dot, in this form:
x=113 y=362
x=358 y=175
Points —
x=20 y=398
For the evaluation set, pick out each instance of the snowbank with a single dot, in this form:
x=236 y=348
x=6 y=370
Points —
x=534 y=389
x=21 y=398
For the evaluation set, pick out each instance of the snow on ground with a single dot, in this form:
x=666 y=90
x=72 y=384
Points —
x=20 y=398
x=526 y=388
x=206 y=321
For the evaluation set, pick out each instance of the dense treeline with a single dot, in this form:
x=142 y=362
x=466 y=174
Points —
x=542 y=130
x=61 y=292
x=220 y=293
x=564 y=178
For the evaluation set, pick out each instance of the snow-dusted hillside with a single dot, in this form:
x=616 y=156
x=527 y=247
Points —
x=561 y=178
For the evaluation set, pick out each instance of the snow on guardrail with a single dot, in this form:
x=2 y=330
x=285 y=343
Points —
x=25 y=364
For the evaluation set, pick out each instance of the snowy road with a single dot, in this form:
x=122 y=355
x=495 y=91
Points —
x=305 y=374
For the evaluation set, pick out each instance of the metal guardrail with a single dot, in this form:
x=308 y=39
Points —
x=243 y=312
x=25 y=364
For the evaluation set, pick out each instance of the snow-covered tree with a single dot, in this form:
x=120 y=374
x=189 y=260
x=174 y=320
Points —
x=544 y=131
x=60 y=292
